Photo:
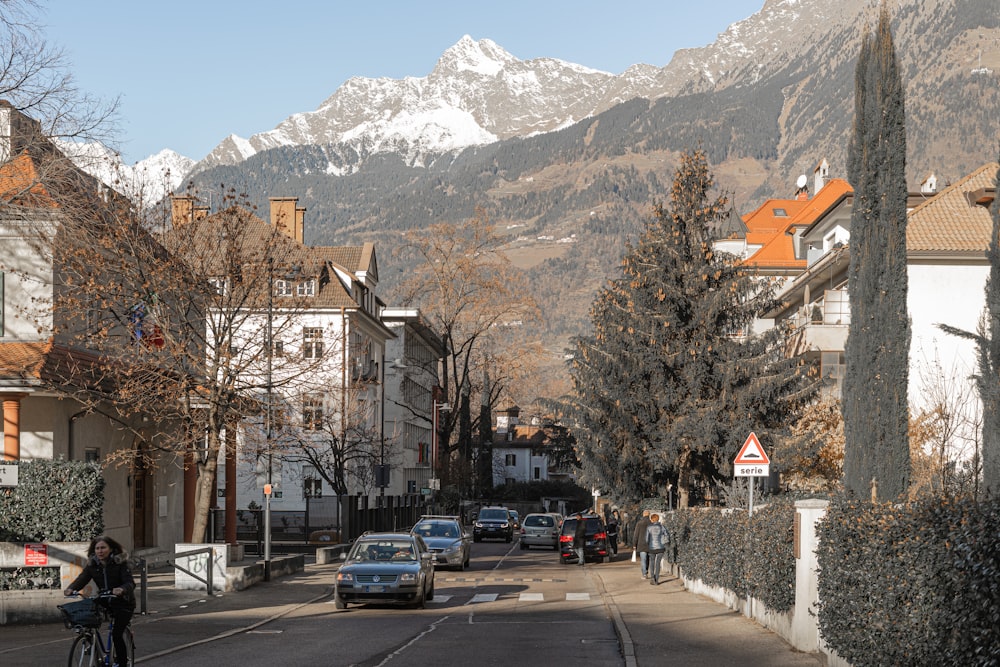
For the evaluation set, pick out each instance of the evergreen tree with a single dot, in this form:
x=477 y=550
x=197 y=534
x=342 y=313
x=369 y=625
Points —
x=876 y=445
x=672 y=380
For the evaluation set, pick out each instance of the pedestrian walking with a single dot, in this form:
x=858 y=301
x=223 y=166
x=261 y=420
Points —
x=614 y=521
x=580 y=537
x=657 y=537
x=640 y=543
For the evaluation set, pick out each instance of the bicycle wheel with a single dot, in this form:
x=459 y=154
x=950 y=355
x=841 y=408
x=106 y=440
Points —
x=85 y=652
x=129 y=647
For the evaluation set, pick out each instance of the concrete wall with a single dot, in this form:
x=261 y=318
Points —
x=39 y=605
x=799 y=626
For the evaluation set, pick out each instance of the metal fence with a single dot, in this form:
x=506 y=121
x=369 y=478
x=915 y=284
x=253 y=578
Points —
x=349 y=515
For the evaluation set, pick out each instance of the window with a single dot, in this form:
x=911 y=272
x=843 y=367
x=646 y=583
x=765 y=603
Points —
x=218 y=285
x=306 y=288
x=282 y=288
x=277 y=348
x=312 y=343
x=538 y=473
x=312 y=412
x=510 y=459
x=92 y=455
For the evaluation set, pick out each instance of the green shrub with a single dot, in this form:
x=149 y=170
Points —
x=751 y=556
x=57 y=501
x=914 y=584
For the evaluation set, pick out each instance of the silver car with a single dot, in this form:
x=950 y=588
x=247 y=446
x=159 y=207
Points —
x=540 y=530
x=450 y=543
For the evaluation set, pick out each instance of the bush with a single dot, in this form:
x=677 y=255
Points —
x=914 y=584
x=751 y=556
x=56 y=501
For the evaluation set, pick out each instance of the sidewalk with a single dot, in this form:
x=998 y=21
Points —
x=666 y=625
x=656 y=625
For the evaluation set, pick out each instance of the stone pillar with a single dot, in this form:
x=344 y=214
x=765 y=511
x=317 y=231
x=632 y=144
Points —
x=12 y=427
x=805 y=624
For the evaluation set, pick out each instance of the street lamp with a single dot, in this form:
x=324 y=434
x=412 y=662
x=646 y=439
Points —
x=268 y=417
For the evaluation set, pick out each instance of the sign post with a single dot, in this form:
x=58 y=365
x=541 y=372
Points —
x=751 y=461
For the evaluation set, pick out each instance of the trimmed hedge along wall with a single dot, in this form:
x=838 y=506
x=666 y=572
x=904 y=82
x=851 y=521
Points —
x=914 y=584
x=751 y=556
x=55 y=501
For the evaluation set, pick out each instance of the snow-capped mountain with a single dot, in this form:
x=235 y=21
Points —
x=146 y=182
x=479 y=93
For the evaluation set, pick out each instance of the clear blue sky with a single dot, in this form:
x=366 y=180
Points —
x=191 y=73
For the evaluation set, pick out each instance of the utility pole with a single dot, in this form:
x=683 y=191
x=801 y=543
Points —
x=268 y=488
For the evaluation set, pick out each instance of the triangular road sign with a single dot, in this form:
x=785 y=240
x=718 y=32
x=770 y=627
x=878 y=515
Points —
x=752 y=452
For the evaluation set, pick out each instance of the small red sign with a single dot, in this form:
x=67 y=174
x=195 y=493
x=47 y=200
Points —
x=752 y=453
x=36 y=554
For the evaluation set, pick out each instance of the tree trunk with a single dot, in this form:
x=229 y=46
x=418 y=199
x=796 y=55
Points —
x=684 y=479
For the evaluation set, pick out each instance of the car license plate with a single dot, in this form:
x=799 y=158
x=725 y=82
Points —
x=590 y=543
x=374 y=589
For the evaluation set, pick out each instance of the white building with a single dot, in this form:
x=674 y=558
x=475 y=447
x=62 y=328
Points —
x=413 y=358
x=323 y=377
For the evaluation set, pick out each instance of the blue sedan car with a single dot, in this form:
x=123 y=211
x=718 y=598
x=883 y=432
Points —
x=386 y=568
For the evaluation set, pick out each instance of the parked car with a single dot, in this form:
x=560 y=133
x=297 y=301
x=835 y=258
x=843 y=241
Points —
x=515 y=519
x=540 y=530
x=447 y=539
x=493 y=522
x=596 y=542
x=386 y=567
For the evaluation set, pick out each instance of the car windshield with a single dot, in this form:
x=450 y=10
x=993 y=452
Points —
x=383 y=550
x=437 y=529
x=493 y=515
x=538 y=521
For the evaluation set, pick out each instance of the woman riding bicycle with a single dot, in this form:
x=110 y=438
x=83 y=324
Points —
x=107 y=567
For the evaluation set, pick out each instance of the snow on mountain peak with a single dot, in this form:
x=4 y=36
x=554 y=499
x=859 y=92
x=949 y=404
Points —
x=483 y=57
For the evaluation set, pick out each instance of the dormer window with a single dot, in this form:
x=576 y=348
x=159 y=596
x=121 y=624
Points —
x=282 y=288
x=306 y=288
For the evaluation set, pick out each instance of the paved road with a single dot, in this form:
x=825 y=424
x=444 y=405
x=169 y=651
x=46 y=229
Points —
x=511 y=607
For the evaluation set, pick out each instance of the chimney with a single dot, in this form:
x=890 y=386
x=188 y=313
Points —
x=288 y=217
x=929 y=186
x=820 y=174
x=182 y=210
x=17 y=132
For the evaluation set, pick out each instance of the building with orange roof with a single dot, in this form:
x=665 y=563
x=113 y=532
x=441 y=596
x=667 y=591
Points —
x=51 y=377
x=947 y=236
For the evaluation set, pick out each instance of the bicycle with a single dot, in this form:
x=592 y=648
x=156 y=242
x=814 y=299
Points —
x=92 y=647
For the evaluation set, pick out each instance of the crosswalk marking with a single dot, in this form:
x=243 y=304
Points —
x=578 y=596
x=531 y=597
x=484 y=597
x=438 y=598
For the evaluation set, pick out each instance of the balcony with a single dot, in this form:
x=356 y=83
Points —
x=820 y=326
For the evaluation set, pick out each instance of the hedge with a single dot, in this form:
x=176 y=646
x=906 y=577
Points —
x=55 y=501
x=912 y=584
x=751 y=556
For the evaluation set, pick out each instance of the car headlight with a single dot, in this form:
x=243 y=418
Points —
x=451 y=549
x=345 y=577
x=504 y=524
x=479 y=524
x=409 y=576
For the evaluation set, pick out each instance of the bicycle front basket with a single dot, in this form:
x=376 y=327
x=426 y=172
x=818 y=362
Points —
x=83 y=613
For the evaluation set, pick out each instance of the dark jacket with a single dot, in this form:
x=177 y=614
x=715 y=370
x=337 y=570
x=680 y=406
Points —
x=640 y=534
x=580 y=536
x=116 y=574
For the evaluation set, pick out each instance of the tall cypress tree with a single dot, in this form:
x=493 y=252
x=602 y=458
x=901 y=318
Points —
x=672 y=381
x=876 y=445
